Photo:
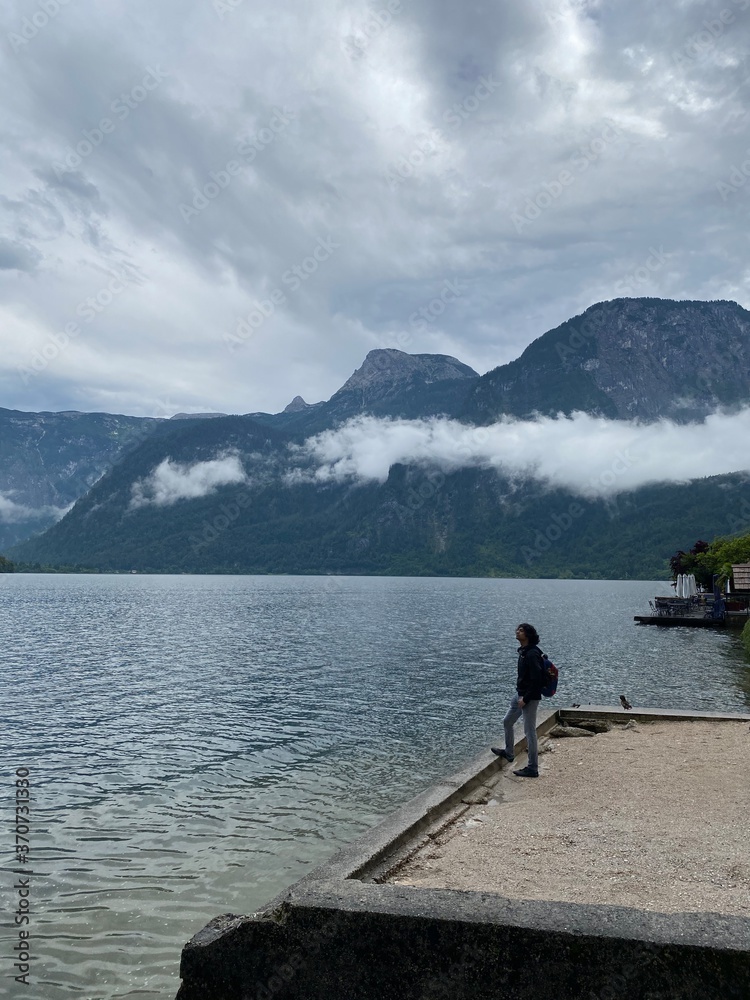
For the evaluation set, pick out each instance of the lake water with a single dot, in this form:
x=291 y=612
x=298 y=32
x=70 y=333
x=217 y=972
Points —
x=196 y=744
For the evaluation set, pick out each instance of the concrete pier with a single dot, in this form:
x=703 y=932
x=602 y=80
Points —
x=382 y=921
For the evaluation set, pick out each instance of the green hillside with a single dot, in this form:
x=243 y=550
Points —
x=469 y=523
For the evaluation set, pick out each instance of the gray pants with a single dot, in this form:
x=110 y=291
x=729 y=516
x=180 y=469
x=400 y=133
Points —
x=529 y=728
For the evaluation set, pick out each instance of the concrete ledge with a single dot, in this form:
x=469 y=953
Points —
x=365 y=942
x=611 y=714
x=338 y=935
x=369 y=855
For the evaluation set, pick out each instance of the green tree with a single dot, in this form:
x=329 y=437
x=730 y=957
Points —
x=721 y=554
x=746 y=637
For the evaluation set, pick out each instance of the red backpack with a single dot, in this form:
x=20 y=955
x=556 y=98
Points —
x=549 y=677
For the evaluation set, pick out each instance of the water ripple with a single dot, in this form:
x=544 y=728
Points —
x=198 y=743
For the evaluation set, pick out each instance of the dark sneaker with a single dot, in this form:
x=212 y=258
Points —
x=502 y=753
x=527 y=772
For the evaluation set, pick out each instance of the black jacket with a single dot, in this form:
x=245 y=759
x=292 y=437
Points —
x=530 y=673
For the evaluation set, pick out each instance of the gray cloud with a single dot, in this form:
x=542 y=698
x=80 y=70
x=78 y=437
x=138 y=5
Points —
x=17 y=513
x=15 y=256
x=172 y=481
x=588 y=455
x=199 y=87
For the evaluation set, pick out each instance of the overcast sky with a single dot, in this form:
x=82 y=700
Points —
x=326 y=171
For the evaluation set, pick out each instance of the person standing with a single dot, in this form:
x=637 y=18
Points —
x=525 y=702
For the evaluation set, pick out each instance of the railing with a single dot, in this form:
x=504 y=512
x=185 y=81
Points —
x=699 y=606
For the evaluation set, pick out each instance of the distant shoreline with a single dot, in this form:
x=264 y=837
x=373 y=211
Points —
x=88 y=571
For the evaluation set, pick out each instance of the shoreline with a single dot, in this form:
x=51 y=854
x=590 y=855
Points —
x=348 y=931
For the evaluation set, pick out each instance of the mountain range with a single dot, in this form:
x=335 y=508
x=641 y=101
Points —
x=49 y=460
x=239 y=494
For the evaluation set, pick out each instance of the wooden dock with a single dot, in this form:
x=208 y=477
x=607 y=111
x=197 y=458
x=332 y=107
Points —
x=731 y=619
x=692 y=621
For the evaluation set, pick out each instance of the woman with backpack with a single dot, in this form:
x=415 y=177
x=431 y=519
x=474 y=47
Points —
x=529 y=683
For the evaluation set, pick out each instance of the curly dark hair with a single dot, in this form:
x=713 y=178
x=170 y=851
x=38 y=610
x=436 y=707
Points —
x=530 y=632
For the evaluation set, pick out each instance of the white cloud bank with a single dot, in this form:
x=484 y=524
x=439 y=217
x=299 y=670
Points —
x=590 y=456
x=16 y=513
x=171 y=481
x=12 y=512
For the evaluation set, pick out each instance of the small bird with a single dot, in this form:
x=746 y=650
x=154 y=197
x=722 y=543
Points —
x=625 y=703
x=576 y=704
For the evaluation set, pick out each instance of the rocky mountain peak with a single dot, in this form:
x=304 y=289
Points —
x=296 y=405
x=637 y=358
x=196 y=416
x=657 y=357
x=386 y=369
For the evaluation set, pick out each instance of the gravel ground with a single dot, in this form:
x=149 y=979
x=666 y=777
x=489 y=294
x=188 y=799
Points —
x=655 y=817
